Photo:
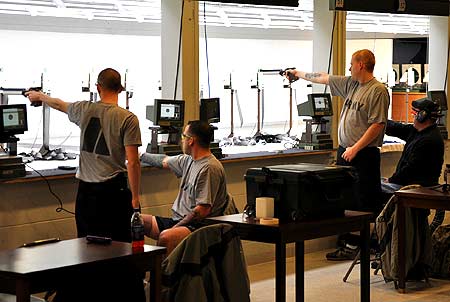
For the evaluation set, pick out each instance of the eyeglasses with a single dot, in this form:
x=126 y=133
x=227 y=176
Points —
x=185 y=136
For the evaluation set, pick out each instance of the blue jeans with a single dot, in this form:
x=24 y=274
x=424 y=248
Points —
x=389 y=188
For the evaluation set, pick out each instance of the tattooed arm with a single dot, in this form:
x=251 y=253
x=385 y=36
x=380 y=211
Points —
x=315 y=77
x=197 y=214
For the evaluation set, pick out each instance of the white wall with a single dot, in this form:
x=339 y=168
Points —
x=382 y=48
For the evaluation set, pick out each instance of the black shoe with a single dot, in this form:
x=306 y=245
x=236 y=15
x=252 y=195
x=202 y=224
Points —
x=374 y=246
x=348 y=238
x=342 y=253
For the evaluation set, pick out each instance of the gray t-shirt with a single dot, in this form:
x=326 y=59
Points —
x=105 y=131
x=364 y=105
x=202 y=182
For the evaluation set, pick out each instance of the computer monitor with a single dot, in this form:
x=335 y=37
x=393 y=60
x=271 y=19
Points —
x=439 y=97
x=210 y=110
x=410 y=51
x=13 y=120
x=317 y=105
x=169 y=113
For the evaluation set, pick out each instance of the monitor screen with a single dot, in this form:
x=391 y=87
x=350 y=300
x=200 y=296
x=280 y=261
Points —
x=410 y=51
x=169 y=113
x=210 y=110
x=317 y=105
x=320 y=103
x=439 y=97
x=13 y=119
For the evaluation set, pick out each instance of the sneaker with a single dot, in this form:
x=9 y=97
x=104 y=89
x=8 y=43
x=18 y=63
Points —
x=342 y=253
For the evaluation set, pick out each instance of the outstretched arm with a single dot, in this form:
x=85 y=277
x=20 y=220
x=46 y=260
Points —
x=155 y=160
x=55 y=103
x=314 y=77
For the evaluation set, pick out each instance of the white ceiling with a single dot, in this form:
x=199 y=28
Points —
x=217 y=14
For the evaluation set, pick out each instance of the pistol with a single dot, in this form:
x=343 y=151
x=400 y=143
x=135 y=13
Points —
x=292 y=78
x=37 y=103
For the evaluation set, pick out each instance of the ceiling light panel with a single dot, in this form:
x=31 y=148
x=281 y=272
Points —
x=217 y=14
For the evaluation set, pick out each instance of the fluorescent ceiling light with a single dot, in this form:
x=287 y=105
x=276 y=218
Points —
x=217 y=14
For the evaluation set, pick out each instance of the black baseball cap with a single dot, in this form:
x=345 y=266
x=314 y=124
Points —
x=426 y=104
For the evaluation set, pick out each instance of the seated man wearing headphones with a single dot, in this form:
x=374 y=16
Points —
x=423 y=154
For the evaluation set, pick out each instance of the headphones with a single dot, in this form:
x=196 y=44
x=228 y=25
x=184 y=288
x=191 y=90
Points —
x=422 y=116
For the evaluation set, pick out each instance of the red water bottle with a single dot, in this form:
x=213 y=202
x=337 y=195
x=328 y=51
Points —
x=137 y=231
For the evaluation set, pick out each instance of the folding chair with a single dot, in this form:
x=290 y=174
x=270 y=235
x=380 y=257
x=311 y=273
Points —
x=374 y=263
x=376 y=260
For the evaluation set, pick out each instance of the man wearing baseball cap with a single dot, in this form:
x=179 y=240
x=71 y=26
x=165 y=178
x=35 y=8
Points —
x=423 y=154
x=420 y=163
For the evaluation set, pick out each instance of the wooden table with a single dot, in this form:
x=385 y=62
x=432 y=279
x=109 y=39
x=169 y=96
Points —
x=28 y=270
x=298 y=232
x=415 y=198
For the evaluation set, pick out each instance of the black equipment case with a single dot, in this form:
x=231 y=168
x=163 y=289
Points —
x=303 y=191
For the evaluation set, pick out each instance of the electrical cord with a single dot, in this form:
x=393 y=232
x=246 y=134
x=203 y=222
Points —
x=61 y=206
x=446 y=70
x=179 y=51
x=331 y=48
x=206 y=48
x=64 y=140
x=254 y=127
x=37 y=131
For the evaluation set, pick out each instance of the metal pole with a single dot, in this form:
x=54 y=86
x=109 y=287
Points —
x=290 y=109
x=232 y=114
x=45 y=129
x=258 y=128
x=406 y=104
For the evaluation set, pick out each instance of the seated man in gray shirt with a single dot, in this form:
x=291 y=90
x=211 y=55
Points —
x=203 y=189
